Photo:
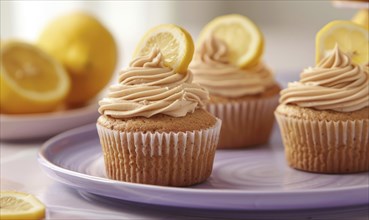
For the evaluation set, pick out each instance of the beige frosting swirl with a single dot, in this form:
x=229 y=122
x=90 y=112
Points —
x=366 y=68
x=334 y=84
x=148 y=88
x=212 y=69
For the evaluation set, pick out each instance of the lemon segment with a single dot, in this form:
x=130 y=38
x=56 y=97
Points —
x=244 y=39
x=17 y=205
x=31 y=81
x=362 y=18
x=174 y=42
x=87 y=51
x=350 y=37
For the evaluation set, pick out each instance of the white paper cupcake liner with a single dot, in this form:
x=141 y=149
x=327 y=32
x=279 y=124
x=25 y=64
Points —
x=326 y=146
x=245 y=123
x=169 y=159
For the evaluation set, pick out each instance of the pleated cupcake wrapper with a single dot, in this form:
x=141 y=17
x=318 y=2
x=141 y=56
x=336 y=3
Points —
x=170 y=159
x=245 y=123
x=325 y=146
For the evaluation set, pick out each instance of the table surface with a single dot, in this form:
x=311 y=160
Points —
x=20 y=171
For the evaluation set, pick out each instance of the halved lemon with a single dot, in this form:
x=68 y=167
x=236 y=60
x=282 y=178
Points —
x=18 y=205
x=351 y=38
x=31 y=81
x=174 y=42
x=243 y=38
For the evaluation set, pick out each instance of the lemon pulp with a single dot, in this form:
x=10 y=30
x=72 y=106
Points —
x=17 y=205
x=29 y=75
x=31 y=81
x=350 y=37
x=244 y=39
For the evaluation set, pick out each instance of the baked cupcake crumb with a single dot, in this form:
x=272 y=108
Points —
x=198 y=120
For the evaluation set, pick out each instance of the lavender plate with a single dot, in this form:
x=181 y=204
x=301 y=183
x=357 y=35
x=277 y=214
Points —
x=250 y=179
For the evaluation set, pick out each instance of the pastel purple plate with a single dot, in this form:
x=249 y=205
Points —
x=249 y=179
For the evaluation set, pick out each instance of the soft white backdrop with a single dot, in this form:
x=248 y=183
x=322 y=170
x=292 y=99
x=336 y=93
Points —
x=289 y=26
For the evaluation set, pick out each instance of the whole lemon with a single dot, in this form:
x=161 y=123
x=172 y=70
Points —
x=86 y=49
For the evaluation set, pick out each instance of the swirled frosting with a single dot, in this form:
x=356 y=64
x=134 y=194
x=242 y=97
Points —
x=366 y=68
x=212 y=69
x=334 y=84
x=148 y=88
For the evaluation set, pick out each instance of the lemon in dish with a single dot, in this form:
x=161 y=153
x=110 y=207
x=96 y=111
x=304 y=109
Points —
x=31 y=81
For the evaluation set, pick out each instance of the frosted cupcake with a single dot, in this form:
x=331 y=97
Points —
x=153 y=128
x=244 y=98
x=324 y=117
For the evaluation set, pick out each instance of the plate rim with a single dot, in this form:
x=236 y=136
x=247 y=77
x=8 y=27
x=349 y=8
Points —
x=7 y=118
x=44 y=161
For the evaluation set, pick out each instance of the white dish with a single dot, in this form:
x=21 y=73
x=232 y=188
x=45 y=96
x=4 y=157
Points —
x=32 y=126
x=250 y=179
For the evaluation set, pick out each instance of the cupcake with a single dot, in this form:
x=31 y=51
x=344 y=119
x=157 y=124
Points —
x=153 y=127
x=244 y=98
x=324 y=117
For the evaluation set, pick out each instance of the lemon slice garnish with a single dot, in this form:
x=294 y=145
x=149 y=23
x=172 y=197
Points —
x=31 y=81
x=244 y=39
x=17 y=205
x=174 y=43
x=350 y=37
x=362 y=18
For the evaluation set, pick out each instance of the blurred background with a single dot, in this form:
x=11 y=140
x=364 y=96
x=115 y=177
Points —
x=289 y=27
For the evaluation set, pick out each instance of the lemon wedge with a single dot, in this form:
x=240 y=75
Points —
x=174 y=42
x=31 y=81
x=351 y=38
x=243 y=38
x=18 y=205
